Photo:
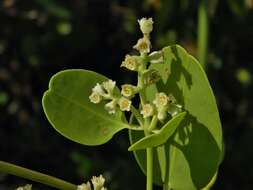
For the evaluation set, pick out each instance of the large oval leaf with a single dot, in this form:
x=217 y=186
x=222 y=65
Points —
x=68 y=108
x=161 y=136
x=192 y=158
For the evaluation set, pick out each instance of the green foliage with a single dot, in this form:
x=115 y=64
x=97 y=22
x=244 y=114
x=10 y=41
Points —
x=193 y=155
x=71 y=113
x=190 y=142
x=160 y=137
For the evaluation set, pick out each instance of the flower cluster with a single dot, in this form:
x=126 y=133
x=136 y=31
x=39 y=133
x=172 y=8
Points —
x=162 y=105
x=106 y=91
x=143 y=44
x=26 y=187
x=97 y=182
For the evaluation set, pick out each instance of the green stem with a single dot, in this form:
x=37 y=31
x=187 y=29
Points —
x=149 y=168
x=153 y=123
x=203 y=32
x=149 y=185
x=12 y=169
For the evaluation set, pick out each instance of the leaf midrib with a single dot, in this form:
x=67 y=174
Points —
x=89 y=110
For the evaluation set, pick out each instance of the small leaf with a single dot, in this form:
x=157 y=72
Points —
x=161 y=137
x=68 y=108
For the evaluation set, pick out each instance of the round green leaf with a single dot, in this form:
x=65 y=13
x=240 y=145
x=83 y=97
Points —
x=193 y=155
x=68 y=108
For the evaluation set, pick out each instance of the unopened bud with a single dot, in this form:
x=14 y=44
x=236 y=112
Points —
x=98 y=89
x=26 y=187
x=84 y=186
x=151 y=76
x=146 y=25
x=109 y=86
x=161 y=115
x=111 y=107
x=98 y=182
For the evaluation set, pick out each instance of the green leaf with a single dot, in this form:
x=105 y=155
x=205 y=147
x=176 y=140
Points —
x=68 y=108
x=192 y=156
x=161 y=136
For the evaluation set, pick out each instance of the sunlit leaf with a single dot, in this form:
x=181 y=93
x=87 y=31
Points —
x=161 y=136
x=193 y=155
x=69 y=110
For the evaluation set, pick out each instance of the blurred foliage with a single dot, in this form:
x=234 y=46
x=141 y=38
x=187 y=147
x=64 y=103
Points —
x=40 y=37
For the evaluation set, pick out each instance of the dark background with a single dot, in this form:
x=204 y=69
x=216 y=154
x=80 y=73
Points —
x=41 y=37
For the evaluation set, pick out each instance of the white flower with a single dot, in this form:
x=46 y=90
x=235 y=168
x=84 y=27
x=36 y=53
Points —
x=161 y=100
x=95 y=98
x=124 y=104
x=98 y=89
x=146 y=25
x=143 y=45
x=26 y=187
x=109 y=86
x=111 y=107
x=128 y=90
x=147 y=110
x=130 y=63
x=98 y=182
x=84 y=186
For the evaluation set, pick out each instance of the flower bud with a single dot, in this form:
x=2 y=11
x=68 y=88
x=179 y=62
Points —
x=147 y=110
x=128 y=90
x=109 y=86
x=143 y=45
x=95 y=98
x=98 y=182
x=26 y=187
x=151 y=76
x=98 y=89
x=161 y=115
x=84 y=186
x=130 y=63
x=124 y=104
x=111 y=107
x=146 y=25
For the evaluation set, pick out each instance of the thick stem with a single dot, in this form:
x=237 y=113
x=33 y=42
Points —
x=203 y=32
x=35 y=176
x=149 y=168
x=149 y=151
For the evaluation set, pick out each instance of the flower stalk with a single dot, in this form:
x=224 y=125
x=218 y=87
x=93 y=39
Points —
x=36 y=176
